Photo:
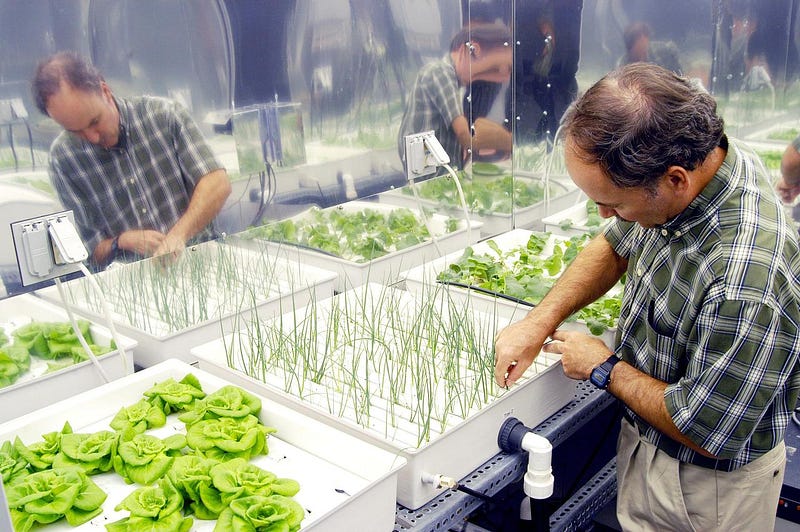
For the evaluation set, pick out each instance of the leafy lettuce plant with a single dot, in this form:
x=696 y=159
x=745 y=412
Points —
x=47 y=496
x=145 y=458
x=154 y=509
x=14 y=361
x=171 y=396
x=227 y=438
x=40 y=455
x=12 y=465
x=137 y=418
x=257 y=513
x=93 y=453
x=228 y=401
x=526 y=273
x=239 y=478
x=56 y=339
x=191 y=476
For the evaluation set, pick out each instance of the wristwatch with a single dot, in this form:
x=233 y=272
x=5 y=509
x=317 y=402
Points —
x=601 y=375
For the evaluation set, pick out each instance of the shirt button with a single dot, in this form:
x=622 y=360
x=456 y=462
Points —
x=130 y=181
x=664 y=232
x=639 y=271
x=678 y=233
x=144 y=211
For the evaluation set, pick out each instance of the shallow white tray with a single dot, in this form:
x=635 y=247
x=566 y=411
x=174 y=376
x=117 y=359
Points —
x=461 y=446
x=577 y=215
x=563 y=194
x=36 y=389
x=386 y=268
x=345 y=484
x=135 y=313
x=421 y=277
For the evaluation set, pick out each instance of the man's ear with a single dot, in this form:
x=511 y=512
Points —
x=677 y=178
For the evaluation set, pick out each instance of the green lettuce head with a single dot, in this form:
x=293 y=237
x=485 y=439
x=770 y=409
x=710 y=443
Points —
x=171 y=396
x=40 y=455
x=227 y=438
x=275 y=513
x=94 y=453
x=154 y=509
x=191 y=476
x=137 y=418
x=228 y=401
x=47 y=496
x=12 y=465
x=145 y=459
x=239 y=478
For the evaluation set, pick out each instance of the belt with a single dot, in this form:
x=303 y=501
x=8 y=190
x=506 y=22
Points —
x=672 y=448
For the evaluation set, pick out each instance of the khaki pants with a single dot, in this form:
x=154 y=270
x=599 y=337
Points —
x=656 y=492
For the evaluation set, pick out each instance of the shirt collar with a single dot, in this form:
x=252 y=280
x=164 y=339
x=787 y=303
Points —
x=124 y=120
x=715 y=193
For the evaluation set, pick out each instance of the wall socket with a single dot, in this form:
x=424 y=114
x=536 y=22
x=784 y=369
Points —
x=424 y=154
x=47 y=247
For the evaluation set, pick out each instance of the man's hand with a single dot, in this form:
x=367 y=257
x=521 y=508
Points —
x=170 y=248
x=144 y=242
x=580 y=353
x=786 y=191
x=516 y=347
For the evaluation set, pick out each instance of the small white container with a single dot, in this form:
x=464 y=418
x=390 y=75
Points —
x=210 y=309
x=381 y=269
x=35 y=389
x=570 y=222
x=345 y=484
x=563 y=194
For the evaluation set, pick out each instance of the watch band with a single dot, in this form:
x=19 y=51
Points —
x=114 y=249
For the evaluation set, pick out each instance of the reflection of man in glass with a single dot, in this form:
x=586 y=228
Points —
x=136 y=172
x=482 y=52
x=640 y=48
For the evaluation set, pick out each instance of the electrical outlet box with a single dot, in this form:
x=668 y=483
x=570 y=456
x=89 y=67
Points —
x=47 y=247
x=424 y=154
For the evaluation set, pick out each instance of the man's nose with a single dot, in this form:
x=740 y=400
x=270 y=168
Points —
x=606 y=212
x=92 y=136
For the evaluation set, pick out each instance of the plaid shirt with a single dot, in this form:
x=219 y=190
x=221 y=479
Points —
x=434 y=103
x=711 y=308
x=146 y=183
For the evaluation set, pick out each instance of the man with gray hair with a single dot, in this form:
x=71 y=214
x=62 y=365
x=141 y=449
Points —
x=706 y=358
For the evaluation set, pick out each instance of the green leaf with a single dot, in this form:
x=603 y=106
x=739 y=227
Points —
x=173 y=396
x=47 y=496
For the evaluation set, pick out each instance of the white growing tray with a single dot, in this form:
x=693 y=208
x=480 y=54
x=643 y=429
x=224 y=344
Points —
x=577 y=215
x=381 y=269
x=292 y=284
x=36 y=389
x=422 y=277
x=464 y=444
x=345 y=484
x=563 y=194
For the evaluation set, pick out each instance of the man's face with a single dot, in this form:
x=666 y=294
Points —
x=648 y=209
x=491 y=65
x=91 y=116
x=483 y=64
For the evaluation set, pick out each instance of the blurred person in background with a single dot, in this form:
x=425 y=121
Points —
x=137 y=172
x=482 y=52
x=640 y=47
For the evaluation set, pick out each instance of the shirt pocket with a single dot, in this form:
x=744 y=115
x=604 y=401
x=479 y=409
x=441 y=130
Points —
x=663 y=352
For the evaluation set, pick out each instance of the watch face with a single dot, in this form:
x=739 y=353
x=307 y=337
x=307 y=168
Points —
x=600 y=374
